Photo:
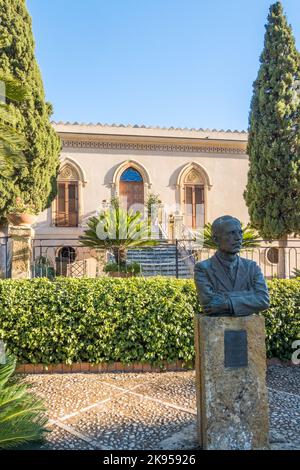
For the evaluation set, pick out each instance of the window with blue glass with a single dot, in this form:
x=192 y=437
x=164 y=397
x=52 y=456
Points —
x=131 y=175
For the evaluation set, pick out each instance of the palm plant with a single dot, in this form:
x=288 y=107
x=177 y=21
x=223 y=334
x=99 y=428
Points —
x=250 y=238
x=21 y=414
x=118 y=230
x=296 y=272
x=12 y=143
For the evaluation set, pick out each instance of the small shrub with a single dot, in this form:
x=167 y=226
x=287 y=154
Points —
x=134 y=267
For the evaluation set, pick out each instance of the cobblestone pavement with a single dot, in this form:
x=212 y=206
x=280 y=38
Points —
x=148 y=410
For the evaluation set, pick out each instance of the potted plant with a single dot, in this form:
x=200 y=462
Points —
x=22 y=213
x=152 y=205
x=122 y=270
x=42 y=268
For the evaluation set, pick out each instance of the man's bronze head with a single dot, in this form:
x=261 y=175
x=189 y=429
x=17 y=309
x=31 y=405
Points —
x=227 y=233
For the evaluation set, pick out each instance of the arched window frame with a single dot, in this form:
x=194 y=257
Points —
x=182 y=181
x=115 y=184
x=71 y=171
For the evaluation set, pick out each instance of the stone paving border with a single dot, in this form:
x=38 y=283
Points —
x=100 y=368
x=118 y=367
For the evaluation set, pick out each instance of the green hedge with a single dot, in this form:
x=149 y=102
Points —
x=283 y=317
x=126 y=320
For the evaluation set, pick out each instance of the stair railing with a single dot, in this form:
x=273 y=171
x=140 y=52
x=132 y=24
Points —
x=163 y=232
x=163 y=222
x=186 y=255
x=188 y=246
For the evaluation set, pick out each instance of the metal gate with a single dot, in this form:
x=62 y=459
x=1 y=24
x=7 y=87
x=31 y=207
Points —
x=57 y=258
x=4 y=258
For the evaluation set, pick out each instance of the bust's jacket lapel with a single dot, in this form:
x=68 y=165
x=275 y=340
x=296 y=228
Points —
x=220 y=273
x=241 y=276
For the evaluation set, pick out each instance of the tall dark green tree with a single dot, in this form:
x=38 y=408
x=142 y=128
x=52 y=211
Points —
x=273 y=190
x=36 y=181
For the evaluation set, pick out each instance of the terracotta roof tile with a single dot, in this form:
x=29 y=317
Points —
x=143 y=126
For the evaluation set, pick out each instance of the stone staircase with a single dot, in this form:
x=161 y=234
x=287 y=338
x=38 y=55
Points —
x=160 y=260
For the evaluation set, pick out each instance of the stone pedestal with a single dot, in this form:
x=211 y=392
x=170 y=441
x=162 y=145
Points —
x=232 y=401
x=20 y=251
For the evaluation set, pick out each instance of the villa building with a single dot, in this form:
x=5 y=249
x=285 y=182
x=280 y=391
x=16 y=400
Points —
x=186 y=168
x=198 y=176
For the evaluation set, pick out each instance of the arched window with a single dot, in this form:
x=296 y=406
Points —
x=193 y=184
x=131 y=174
x=66 y=213
x=131 y=189
x=66 y=254
x=65 y=257
x=194 y=200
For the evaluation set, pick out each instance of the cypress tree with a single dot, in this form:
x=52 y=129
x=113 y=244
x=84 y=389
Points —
x=273 y=189
x=35 y=182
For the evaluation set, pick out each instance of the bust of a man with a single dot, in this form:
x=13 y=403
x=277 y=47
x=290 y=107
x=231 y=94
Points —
x=228 y=285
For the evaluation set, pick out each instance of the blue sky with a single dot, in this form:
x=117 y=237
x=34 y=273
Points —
x=181 y=63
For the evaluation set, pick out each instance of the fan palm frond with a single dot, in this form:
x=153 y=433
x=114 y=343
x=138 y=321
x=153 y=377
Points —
x=250 y=237
x=12 y=143
x=296 y=272
x=13 y=89
x=117 y=229
x=22 y=418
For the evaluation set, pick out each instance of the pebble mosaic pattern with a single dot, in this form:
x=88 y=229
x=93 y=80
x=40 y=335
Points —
x=148 y=410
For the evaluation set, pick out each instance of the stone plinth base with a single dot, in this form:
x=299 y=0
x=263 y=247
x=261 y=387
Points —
x=232 y=402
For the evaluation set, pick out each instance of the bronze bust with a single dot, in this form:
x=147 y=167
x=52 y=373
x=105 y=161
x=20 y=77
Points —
x=228 y=285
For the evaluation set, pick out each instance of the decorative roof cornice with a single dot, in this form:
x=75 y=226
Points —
x=151 y=147
x=142 y=138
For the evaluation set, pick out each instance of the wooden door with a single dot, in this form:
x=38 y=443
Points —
x=131 y=192
x=194 y=206
x=67 y=204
